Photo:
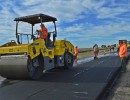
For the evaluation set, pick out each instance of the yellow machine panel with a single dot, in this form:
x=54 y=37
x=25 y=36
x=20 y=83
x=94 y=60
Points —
x=61 y=46
x=14 y=49
x=12 y=43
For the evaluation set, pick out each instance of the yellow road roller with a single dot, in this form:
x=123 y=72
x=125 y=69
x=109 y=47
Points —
x=29 y=60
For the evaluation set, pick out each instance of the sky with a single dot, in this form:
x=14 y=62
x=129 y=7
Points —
x=82 y=22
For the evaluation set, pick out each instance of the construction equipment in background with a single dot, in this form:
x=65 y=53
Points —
x=128 y=44
x=28 y=60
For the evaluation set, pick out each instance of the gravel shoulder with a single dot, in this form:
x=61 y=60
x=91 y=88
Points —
x=121 y=90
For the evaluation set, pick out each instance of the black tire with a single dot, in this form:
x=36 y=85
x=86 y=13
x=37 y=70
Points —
x=35 y=67
x=68 y=60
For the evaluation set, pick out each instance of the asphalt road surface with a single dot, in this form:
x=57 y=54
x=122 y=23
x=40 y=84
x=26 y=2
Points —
x=83 y=82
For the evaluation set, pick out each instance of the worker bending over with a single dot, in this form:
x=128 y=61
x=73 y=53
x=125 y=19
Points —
x=96 y=51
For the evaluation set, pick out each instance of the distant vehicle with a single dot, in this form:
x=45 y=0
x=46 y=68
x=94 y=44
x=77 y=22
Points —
x=128 y=44
x=103 y=46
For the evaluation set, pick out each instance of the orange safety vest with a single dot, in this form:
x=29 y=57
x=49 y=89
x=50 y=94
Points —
x=76 y=50
x=44 y=34
x=123 y=50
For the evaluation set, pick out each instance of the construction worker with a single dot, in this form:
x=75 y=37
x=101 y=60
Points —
x=76 y=50
x=43 y=32
x=112 y=48
x=96 y=51
x=123 y=55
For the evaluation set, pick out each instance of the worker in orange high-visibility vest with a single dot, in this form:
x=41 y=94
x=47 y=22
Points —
x=76 y=50
x=123 y=55
x=43 y=32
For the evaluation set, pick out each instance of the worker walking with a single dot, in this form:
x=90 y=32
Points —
x=96 y=51
x=76 y=50
x=123 y=55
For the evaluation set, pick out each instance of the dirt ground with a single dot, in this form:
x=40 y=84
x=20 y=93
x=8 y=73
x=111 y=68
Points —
x=121 y=90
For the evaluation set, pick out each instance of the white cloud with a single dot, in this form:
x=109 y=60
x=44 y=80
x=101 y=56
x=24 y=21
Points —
x=100 y=31
x=106 y=12
x=108 y=30
x=92 y=4
x=112 y=10
x=68 y=11
x=74 y=28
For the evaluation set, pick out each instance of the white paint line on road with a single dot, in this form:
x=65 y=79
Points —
x=87 y=69
x=81 y=95
x=81 y=92
x=91 y=58
x=76 y=84
x=76 y=74
x=80 y=72
x=100 y=62
x=108 y=76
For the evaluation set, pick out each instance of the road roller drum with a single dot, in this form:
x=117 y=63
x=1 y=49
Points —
x=19 y=67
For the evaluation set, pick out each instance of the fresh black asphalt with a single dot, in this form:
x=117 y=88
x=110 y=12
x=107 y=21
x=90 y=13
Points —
x=83 y=82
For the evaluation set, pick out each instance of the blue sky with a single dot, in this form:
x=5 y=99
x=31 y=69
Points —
x=82 y=22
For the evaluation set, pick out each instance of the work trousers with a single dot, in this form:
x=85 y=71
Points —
x=123 y=64
x=76 y=56
x=96 y=54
